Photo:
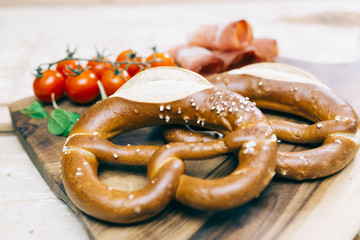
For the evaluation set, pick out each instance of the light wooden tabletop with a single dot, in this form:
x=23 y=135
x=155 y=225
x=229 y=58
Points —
x=30 y=34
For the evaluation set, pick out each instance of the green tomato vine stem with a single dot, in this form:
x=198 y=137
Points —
x=102 y=90
x=117 y=63
x=53 y=101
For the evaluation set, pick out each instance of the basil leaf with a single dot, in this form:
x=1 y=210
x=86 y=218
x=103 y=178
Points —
x=35 y=110
x=58 y=122
x=73 y=119
x=68 y=130
x=73 y=116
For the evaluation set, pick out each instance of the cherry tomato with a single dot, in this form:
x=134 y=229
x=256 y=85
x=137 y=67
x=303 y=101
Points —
x=49 y=82
x=113 y=80
x=161 y=59
x=133 y=68
x=64 y=66
x=99 y=67
x=82 y=88
x=141 y=69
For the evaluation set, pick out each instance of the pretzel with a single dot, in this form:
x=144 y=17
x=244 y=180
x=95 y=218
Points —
x=289 y=89
x=163 y=96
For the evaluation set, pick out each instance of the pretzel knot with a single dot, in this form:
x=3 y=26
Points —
x=164 y=96
x=288 y=89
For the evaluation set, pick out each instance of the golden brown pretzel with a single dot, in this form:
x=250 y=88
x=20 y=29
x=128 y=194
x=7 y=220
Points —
x=288 y=89
x=159 y=96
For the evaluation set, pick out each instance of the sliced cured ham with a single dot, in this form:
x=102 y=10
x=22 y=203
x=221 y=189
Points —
x=266 y=48
x=197 y=59
x=233 y=36
x=218 y=48
x=261 y=50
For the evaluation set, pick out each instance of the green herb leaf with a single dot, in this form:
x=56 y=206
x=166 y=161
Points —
x=59 y=121
x=68 y=130
x=73 y=116
x=73 y=119
x=35 y=110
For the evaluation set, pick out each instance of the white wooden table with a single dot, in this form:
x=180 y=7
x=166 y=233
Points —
x=318 y=31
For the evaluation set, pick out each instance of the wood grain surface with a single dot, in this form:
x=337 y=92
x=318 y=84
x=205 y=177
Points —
x=284 y=208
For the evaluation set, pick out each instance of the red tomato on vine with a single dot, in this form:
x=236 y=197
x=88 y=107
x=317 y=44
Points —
x=49 y=82
x=82 y=88
x=112 y=80
x=64 y=66
x=129 y=56
x=160 y=59
x=99 y=66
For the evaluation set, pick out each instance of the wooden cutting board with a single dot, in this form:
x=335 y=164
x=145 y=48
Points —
x=275 y=214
